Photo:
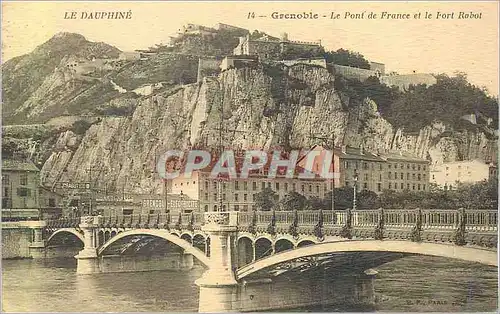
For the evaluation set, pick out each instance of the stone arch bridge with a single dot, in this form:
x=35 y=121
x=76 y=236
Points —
x=250 y=257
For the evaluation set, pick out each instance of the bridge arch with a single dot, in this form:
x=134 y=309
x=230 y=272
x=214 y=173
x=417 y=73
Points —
x=164 y=234
x=283 y=244
x=471 y=254
x=66 y=230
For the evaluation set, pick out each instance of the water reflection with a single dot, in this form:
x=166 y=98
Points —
x=417 y=283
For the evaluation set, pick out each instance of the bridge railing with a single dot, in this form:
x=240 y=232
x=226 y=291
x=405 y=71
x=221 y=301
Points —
x=475 y=219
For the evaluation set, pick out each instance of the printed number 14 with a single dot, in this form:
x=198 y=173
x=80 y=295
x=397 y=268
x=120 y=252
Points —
x=251 y=15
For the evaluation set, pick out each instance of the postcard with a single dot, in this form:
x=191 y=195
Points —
x=238 y=156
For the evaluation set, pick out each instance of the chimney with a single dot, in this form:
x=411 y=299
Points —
x=361 y=149
x=344 y=149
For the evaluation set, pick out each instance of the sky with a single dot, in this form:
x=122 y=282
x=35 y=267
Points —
x=420 y=45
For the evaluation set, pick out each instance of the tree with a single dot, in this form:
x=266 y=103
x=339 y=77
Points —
x=367 y=200
x=347 y=58
x=294 y=201
x=266 y=199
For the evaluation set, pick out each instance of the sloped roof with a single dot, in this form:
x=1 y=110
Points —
x=18 y=165
x=239 y=159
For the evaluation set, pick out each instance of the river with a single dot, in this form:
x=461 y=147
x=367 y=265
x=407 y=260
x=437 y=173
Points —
x=416 y=283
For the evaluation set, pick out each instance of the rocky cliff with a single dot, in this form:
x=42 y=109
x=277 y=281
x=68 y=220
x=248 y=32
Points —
x=93 y=130
x=121 y=151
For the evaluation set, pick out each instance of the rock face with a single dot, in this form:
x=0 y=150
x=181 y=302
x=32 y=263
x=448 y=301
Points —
x=260 y=110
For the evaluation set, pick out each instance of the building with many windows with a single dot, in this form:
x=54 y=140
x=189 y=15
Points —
x=374 y=172
x=449 y=175
x=20 y=189
x=239 y=194
x=406 y=173
x=359 y=166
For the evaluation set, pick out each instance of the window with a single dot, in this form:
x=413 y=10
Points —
x=395 y=186
x=263 y=185
x=395 y=175
x=23 y=178
x=389 y=174
x=407 y=166
x=407 y=176
x=366 y=176
x=365 y=186
x=389 y=166
x=245 y=208
x=380 y=177
x=245 y=185
x=365 y=165
x=317 y=189
x=206 y=208
x=413 y=166
x=151 y=211
x=206 y=196
x=390 y=186
x=245 y=197
x=277 y=186
x=408 y=186
x=236 y=197
x=294 y=187
x=413 y=176
x=302 y=188
x=224 y=196
x=128 y=211
x=413 y=186
x=254 y=186
x=236 y=185
x=419 y=186
x=423 y=187
x=269 y=184
x=423 y=176
x=402 y=176
x=395 y=166
x=418 y=167
x=419 y=178
x=346 y=164
x=5 y=192
x=380 y=167
x=52 y=202
x=215 y=196
x=379 y=187
x=236 y=208
x=214 y=184
x=310 y=188
x=206 y=185
x=5 y=180
x=215 y=208
x=286 y=187
x=24 y=192
x=402 y=185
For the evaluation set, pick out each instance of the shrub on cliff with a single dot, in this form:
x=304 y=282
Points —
x=347 y=58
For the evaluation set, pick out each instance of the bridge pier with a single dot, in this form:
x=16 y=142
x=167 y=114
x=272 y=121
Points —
x=88 y=262
x=37 y=246
x=218 y=284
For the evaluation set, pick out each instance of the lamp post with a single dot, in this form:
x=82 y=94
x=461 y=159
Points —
x=354 y=191
x=331 y=142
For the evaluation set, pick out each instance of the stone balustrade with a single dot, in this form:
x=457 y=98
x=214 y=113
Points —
x=440 y=219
